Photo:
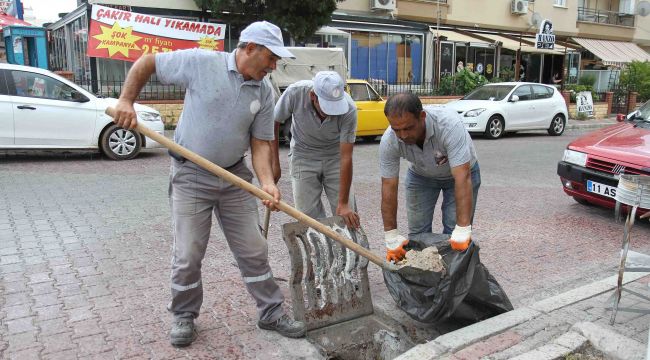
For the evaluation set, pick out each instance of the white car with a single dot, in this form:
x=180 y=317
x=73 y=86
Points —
x=41 y=110
x=494 y=109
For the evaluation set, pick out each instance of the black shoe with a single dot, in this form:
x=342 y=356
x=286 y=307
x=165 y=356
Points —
x=285 y=326
x=183 y=332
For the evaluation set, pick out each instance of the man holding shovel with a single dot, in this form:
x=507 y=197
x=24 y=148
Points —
x=228 y=107
x=441 y=158
x=323 y=134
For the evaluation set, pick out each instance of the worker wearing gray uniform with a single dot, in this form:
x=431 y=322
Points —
x=228 y=108
x=323 y=134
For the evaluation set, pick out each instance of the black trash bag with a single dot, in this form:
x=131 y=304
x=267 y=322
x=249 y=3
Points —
x=467 y=291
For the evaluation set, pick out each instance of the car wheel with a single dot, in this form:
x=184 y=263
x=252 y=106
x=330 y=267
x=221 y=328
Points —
x=494 y=128
x=120 y=144
x=557 y=125
x=581 y=201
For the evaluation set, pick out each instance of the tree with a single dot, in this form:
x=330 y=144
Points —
x=636 y=77
x=300 y=18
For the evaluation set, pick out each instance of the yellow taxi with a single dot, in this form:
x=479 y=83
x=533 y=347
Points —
x=371 y=121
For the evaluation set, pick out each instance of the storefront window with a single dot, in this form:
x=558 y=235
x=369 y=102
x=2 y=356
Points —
x=507 y=63
x=572 y=66
x=461 y=56
x=446 y=59
x=78 y=32
x=58 y=49
x=394 y=58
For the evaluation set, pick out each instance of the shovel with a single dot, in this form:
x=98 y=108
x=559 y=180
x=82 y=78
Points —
x=263 y=195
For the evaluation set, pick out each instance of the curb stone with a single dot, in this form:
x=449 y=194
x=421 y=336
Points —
x=610 y=342
x=456 y=340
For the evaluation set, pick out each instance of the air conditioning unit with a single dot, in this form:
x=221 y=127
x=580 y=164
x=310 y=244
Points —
x=383 y=4
x=519 y=7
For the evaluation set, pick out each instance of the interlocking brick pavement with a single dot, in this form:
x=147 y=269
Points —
x=85 y=252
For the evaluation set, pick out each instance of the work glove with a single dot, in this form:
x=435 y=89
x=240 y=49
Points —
x=461 y=237
x=394 y=245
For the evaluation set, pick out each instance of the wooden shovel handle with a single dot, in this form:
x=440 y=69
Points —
x=259 y=193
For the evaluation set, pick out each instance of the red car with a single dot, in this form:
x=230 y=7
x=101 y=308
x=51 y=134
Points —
x=591 y=164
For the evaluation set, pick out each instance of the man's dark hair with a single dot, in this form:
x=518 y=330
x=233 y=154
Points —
x=401 y=103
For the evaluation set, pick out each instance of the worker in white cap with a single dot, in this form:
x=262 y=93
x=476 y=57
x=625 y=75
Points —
x=228 y=109
x=322 y=137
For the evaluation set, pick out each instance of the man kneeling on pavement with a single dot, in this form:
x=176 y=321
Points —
x=441 y=158
x=228 y=108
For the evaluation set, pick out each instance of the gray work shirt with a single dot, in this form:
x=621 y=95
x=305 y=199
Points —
x=221 y=110
x=446 y=138
x=311 y=137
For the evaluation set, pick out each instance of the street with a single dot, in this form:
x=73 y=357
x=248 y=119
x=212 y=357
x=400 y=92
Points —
x=85 y=248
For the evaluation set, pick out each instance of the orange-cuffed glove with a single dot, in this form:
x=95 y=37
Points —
x=461 y=237
x=395 y=245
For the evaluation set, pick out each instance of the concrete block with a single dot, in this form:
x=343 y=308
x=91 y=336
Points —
x=554 y=351
x=468 y=335
x=428 y=351
x=610 y=342
x=581 y=293
x=531 y=355
x=571 y=340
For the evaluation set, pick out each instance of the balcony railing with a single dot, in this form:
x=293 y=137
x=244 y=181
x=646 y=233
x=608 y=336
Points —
x=605 y=17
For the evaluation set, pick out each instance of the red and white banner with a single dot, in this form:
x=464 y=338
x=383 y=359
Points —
x=125 y=35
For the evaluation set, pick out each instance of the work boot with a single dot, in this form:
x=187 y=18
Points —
x=183 y=332
x=285 y=326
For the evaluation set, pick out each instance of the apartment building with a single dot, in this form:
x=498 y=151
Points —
x=420 y=41
x=590 y=35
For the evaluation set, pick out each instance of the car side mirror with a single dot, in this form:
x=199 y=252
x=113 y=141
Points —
x=514 y=98
x=620 y=117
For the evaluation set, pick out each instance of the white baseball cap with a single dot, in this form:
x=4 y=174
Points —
x=267 y=34
x=329 y=87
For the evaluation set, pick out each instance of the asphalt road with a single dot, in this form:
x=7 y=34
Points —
x=85 y=245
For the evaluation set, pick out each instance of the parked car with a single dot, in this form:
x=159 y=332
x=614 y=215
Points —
x=495 y=109
x=41 y=110
x=592 y=164
x=371 y=120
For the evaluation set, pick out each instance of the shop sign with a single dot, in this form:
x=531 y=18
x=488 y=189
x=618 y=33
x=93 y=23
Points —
x=584 y=103
x=545 y=36
x=125 y=35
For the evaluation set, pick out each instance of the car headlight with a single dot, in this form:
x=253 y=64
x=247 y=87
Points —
x=148 y=116
x=575 y=157
x=474 y=113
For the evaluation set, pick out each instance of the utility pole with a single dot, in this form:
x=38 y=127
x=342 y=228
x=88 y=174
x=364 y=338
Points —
x=437 y=46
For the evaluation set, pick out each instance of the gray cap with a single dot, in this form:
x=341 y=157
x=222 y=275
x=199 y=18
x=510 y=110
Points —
x=267 y=34
x=330 y=89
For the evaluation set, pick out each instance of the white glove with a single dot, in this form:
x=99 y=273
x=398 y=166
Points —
x=461 y=237
x=394 y=245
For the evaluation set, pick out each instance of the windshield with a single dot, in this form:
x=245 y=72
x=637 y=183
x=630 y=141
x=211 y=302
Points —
x=491 y=92
x=642 y=114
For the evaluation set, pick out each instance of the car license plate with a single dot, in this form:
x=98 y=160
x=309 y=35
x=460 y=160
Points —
x=601 y=189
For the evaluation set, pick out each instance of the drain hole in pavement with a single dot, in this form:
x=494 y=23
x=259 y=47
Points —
x=365 y=338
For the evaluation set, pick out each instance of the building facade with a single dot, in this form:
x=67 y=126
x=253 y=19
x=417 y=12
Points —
x=420 y=41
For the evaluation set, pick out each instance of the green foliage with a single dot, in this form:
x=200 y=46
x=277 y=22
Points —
x=576 y=88
x=582 y=116
x=507 y=74
x=300 y=18
x=636 y=77
x=587 y=80
x=461 y=83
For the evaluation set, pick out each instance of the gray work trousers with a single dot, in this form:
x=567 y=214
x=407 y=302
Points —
x=309 y=177
x=195 y=194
